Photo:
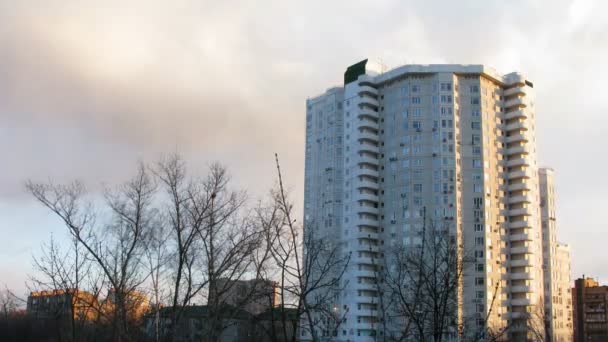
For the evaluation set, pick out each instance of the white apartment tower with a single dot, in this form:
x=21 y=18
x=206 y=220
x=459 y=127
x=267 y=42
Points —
x=556 y=266
x=388 y=152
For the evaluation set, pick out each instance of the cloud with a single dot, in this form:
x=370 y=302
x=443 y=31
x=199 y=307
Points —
x=89 y=87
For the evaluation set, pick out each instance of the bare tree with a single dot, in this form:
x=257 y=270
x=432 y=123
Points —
x=65 y=273
x=421 y=284
x=215 y=239
x=116 y=244
x=310 y=271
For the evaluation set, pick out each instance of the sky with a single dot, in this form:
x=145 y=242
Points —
x=89 y=88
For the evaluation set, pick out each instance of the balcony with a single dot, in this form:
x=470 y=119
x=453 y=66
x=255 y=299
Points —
x=520 y=250
x=519 y=174
x=366 y=147
x=520 y=211
x=366 y=113
x=519 y=102
x=516 y=138
x=515 y=150
x=518 y=90
x=516 y=162
x=368 y=172
x=519 y=186
x=365 y=196
x=368 y=248
x=364 y=209
x=366 y=159
x=366 y=235
x=515 y=126
x=367 y=90
x=519 y=224
x=367 y=222
x=520 y=199
x=522 y=288
x=520 y=276
x=368 y=124
x=518 y=263
x=521 y=301
x=365 y=273
x=520 y=237
x=515 y=114
x=368 y=101
x=367 y=136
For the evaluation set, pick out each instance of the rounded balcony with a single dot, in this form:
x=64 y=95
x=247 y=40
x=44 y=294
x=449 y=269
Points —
x=367 y=136
x=516 y=102
x=519 y=186
x=367 y=159
x=519 y=224
x=517 y=90
x=516 y=138
x=515 y=114
x=520 y=250
x=520 y=263
x=368 y=102
x=369 y=148
x=367 y=89
x=520 y=276
x=365 y=196
x=515 y=126
x=367 y=222
x=516 y=162
x=520 y=212
x=367 y=184
x=368 y=124
x=520 y=199
x=368 y=209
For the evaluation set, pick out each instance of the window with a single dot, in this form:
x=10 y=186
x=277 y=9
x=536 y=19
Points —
x=477 y=163
x=475 y=100
x=446 y=86
x=417 y=112
x=475 y=113
x=476 y=150
x=415 y=88
x=417 y=187
x=417 y=125
x=446 y=98
x=478 y=227
x=416 y=100
x=479 y=294
x=474 y=89
x=479 y=242
x=479 y=267
x=447 y=111
x=479 y=254
x=476 y=125
x=476 y=139
x=479 y=281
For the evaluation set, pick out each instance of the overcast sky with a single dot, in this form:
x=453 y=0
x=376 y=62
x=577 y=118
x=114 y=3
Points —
x=88 y=88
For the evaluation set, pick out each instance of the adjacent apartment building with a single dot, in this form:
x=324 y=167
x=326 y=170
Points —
x=556 y=266
x=389 y=152
x=590 y=301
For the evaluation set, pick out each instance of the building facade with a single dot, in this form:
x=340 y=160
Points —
x=390 y=153
x=590 y=302
x=556 y=266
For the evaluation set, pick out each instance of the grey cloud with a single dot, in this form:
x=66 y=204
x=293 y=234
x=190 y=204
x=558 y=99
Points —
x=88 y=87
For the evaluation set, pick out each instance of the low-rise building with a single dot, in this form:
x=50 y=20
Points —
x=590 y=302
x=55 y=304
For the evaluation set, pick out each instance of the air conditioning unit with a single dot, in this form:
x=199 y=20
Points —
x=393 y=221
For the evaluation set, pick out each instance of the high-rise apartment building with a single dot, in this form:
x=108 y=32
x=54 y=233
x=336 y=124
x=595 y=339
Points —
x=556 y=266
x=389 y=153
